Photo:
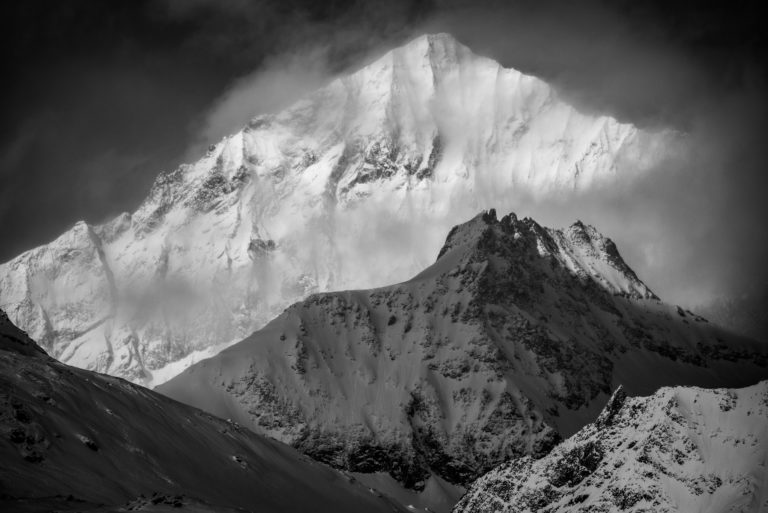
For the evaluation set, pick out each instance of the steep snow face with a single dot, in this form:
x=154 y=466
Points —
x=512 y=337
x=680 y=450
x=353 y=186
x=103 y=441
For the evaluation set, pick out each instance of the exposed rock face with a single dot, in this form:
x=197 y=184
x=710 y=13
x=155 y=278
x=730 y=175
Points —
x=352 y=187
x=680 y=450
x=74 y=439
x=514 y=335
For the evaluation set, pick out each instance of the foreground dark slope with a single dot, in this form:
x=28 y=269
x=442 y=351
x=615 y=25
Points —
x=515 y=336
x=104 y=442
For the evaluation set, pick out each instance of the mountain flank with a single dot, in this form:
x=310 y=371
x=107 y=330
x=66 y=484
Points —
x=512 y=339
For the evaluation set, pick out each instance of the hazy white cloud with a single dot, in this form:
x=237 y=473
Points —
x=274 y=86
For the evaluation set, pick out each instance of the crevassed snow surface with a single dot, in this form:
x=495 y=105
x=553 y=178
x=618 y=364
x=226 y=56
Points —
x=353 y=186
x=681 y=450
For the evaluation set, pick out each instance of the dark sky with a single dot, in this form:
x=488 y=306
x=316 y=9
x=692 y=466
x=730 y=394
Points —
x=98 y=97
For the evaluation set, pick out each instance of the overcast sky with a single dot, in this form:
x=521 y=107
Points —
x=98 y=97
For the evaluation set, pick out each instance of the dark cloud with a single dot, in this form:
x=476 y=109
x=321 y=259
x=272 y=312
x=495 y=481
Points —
x=103 y=95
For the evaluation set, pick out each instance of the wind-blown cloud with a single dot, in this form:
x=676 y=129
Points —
x=272 y=87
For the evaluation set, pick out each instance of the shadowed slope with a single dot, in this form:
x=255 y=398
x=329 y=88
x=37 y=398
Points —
x=104 y=441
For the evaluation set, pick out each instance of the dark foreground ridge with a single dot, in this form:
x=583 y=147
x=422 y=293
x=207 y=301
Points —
x=71 y=439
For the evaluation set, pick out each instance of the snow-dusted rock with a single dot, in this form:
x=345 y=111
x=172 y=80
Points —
x=681 y=450
x=516 y=334
x=353 y=186
x=74 y=439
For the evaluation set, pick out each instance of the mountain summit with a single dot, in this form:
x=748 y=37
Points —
x=352 y=186
x=512 y=338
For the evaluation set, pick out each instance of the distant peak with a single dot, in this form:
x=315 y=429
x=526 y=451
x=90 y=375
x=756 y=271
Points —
x=439 y=38
x=440 y=48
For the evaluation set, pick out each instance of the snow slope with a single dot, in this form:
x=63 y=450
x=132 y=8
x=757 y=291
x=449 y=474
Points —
x=104 y=442
x=351 y=187
x=514 y=336
x=681 y=450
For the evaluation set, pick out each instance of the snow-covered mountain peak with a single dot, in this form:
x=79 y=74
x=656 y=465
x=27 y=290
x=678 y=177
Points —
x=434 y=57
x=353 y=186
x=439 y=47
